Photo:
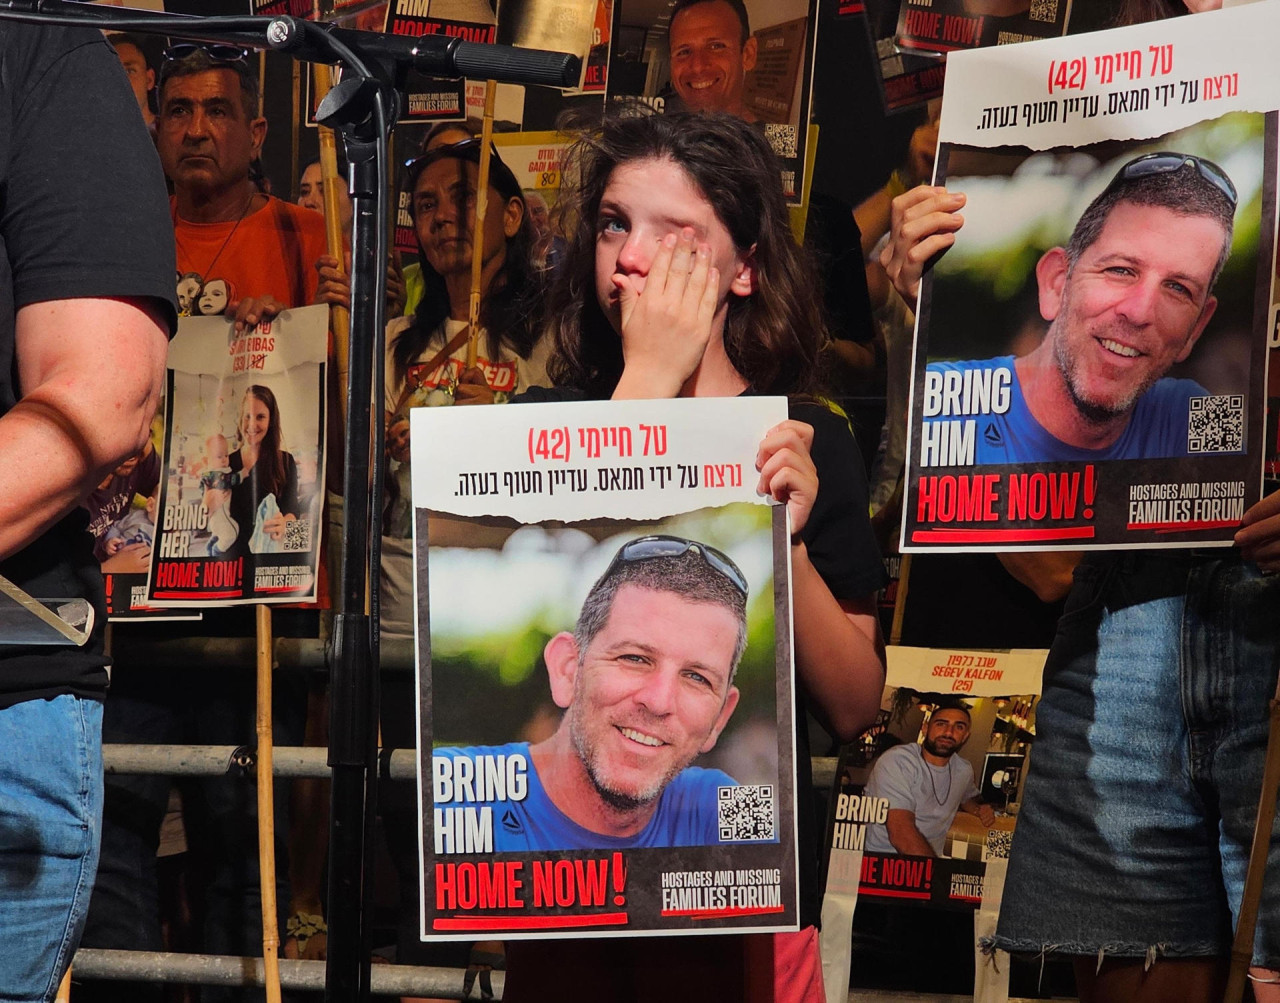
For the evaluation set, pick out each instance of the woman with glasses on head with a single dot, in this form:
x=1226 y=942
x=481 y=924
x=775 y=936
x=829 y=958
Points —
x=682 y=279
x=426 y=365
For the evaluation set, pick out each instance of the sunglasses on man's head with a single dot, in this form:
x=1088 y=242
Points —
x=648 y=547
x=216 y=51
x=1167 y=163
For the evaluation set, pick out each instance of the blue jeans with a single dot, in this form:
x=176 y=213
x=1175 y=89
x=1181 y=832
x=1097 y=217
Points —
x=50 y=817
x=1134 y=834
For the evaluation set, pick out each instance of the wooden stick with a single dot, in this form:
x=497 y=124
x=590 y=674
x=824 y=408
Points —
x=900 y=600
x=339 y=317
x=295 y=131
x=1242 y=947
x=262 y=80
x=266 y=812
x=64 y=989
x=477 y=233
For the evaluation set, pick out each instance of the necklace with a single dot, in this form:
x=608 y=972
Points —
x=207 y=273
x=929 y=766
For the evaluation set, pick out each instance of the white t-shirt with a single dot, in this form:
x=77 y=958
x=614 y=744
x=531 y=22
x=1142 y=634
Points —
x=932 y=793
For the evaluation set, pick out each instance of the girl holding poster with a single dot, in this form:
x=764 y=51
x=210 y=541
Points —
x=682 y=280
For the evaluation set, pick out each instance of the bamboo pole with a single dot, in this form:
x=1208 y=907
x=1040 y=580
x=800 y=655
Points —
x=900 y=600
x=266 y=811
x=339 y=317
x=1242 y=948
x=295 y=131
x=477 y=232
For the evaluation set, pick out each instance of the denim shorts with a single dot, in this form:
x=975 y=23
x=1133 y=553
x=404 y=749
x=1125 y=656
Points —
x=50 y=818
x=1137 y=818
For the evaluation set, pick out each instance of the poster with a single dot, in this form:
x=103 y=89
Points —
x=710 y=61
x=243 y=469
x=122 y=522
x=908 y=78
x=1115 y=401
x=951 y=25
x=926 y=800
x=594 y=762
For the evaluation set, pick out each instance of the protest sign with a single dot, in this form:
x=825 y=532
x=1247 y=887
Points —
x=592 y=763
x=951 y=25
x=1107 y=390
x=122 y=522
x=243 y=470
x=761 y=70
x=928 y=796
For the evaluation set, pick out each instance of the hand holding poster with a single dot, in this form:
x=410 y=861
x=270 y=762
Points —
x=243 y=470
x=609 y=749
x=1090 y=353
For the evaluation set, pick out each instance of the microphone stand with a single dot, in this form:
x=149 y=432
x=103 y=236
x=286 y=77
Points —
x=363 y=107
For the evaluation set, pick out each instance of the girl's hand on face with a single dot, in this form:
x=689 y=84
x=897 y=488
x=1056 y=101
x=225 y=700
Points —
x=787 y=472
x=667 y=316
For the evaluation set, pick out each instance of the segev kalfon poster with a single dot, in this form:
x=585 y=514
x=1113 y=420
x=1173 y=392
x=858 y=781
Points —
x=593 y=762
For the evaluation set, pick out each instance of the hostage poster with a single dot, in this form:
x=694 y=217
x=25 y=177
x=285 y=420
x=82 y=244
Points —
x=604 y=671
x=926 y=800
x=243 y=467
x=949 y=25
x=1090 y=354
x=757 y=64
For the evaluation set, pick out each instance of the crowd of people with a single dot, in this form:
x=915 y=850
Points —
x=668 y=269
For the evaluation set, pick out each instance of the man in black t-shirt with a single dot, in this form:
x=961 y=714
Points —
x=85 y=308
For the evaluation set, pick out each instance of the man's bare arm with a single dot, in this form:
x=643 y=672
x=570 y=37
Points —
x=904 y=835
x=980 y=809
x=90 y=372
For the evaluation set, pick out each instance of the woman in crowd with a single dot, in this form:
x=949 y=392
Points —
x=682 y=279
x=427 y=351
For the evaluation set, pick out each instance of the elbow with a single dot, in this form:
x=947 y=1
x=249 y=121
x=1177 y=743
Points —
x=129 y=434
x=856 y=715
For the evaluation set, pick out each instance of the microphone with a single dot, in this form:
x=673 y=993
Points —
x=432 y=55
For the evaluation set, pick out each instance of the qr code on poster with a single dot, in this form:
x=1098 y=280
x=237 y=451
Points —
x=746 y=812
x=782 y=138
x=297 y=536
x=1216 y=424
x=1044 y=10
x=998 y=843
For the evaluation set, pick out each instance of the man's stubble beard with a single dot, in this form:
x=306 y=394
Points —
x=1093 y=412
x=614 y=798
x=931 y=747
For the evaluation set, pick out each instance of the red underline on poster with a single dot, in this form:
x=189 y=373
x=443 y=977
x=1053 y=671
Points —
x=226 y=594
x=966 y=898
x=910 y=46
x=895 y=893
x=722 y=913
x=1174 y=527
x=1001 y=535
x=530 y=922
